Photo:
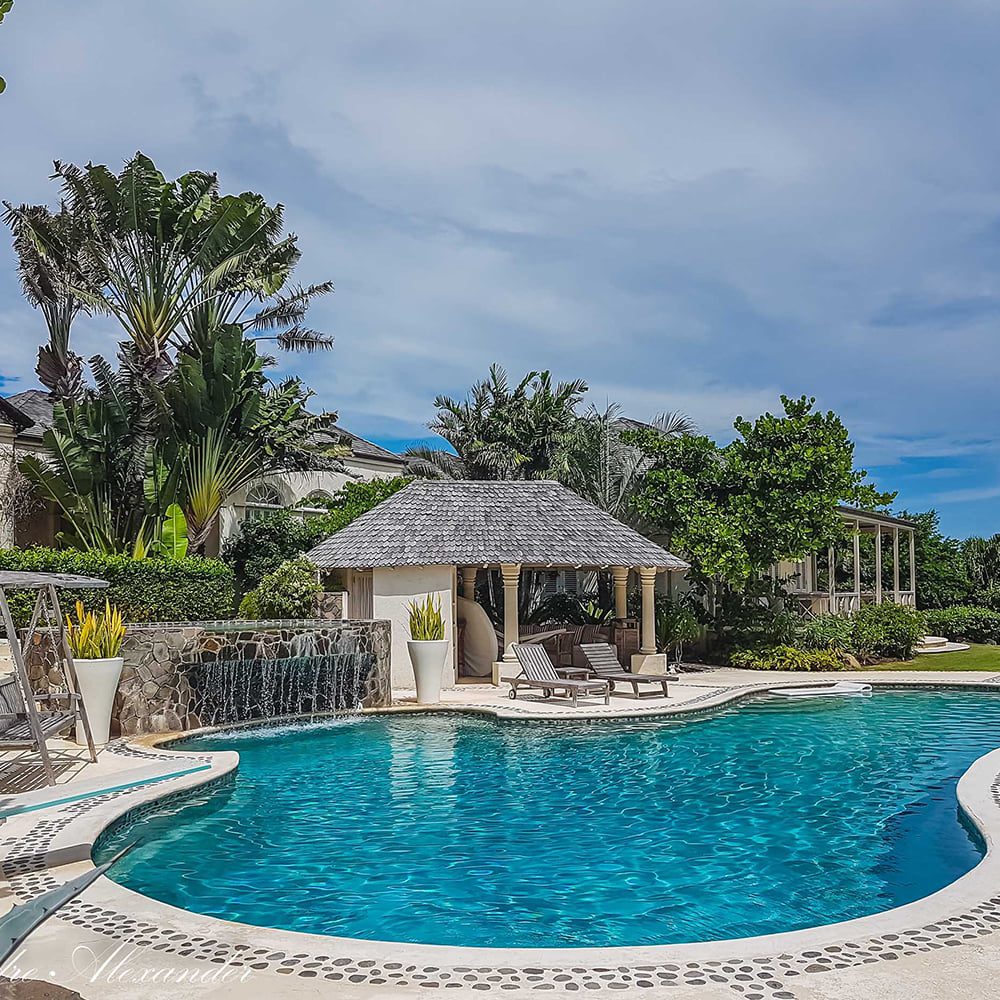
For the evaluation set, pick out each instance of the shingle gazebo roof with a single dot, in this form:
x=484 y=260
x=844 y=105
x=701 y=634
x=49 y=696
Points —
x=446 y=523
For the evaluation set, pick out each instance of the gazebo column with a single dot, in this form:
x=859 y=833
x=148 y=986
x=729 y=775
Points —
x=511 y=573
x=620 y=576
x=913 y=567
x=469 y=582
x=647 y=660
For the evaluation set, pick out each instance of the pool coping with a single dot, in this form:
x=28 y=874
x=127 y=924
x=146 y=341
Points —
x=960 y=912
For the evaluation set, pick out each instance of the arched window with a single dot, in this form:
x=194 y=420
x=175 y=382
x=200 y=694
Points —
x=317 y=498
x=262 y=498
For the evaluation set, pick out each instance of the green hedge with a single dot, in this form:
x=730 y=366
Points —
x=964 y=624
x=146 y=590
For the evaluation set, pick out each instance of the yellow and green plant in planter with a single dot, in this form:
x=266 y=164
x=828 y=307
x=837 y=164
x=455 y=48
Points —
x=426 y=623
x=95 y=636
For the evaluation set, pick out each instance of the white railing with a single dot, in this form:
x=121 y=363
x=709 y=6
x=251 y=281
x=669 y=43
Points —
x=847 y=603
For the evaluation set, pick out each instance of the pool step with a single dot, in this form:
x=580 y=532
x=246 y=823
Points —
x=938 y=644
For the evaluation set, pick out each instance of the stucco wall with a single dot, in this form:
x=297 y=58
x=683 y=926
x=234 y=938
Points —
x=392 y=591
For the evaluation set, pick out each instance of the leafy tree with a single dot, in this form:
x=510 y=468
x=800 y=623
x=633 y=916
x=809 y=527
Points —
x=262 y=544
x=354 y=499
x=770 y=495
x=5 y=8
x=171 y=261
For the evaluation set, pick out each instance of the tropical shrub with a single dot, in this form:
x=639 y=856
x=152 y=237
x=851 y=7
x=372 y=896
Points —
x=788 y=658
x=426 y=623
x=826 y=632
x=289 y=592
x=261 y=544
x=886 y=632
x=95 y=636
x=145 y=590
x=964 y=624
x=676 y=624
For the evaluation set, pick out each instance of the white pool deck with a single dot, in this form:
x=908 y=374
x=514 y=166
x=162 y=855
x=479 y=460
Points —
x=112 y=943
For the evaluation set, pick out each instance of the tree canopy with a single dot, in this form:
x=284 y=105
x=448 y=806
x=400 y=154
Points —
x=770 y=495
x=194 y=279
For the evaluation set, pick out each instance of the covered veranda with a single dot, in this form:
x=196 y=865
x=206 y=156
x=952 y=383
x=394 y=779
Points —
x=419 y=540
x=877 y=565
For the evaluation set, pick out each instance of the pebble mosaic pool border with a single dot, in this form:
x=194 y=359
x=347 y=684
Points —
x=765 y=977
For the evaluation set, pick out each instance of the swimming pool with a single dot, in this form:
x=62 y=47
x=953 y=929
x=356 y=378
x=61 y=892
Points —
x=454 y=829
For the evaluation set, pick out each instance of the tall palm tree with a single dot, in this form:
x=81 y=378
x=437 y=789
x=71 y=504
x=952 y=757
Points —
x=173 y=260
x=605 y=470
x=499 y=432
x=48 y=286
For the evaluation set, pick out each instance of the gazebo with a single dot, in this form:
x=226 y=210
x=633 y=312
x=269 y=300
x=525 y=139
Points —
x=417 y=541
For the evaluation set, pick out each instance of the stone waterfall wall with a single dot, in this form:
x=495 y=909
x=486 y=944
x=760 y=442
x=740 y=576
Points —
x=163 y=686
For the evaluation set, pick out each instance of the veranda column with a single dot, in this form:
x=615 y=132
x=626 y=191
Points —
x=620 y=576
x=878 y=563
x=857 y=563
x=647 y=578
x=913 y=567
x=511 y=573
x=895 y=565
x=831 y=562
x=469 y=582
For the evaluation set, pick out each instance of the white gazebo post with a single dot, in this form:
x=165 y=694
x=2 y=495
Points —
x=878 y=563
x=913 y=568
x=511 y=573
x=647 y=660
x=469 y=582
x=895 y=565
x=857 y=565
x=620 y=576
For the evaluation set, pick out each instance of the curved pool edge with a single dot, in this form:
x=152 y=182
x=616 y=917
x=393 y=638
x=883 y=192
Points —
x=962 y=911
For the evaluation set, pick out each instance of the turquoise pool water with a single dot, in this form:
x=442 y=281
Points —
x=452 y=829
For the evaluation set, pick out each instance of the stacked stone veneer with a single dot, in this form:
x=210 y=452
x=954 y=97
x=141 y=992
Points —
x=158 y=691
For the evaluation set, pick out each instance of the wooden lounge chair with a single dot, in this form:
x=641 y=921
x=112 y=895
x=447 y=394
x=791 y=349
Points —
x=538 y=672
x=603 y=663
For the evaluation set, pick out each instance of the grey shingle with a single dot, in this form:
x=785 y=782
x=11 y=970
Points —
x=535 y=523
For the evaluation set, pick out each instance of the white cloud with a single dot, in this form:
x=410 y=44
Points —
x=693 y=206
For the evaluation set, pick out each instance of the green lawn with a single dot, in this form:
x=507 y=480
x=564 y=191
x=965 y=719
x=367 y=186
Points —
x=985 y=658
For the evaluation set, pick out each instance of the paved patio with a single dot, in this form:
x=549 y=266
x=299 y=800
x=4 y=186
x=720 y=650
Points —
x=110 y=942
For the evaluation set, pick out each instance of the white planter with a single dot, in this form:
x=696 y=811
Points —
x=98 y=680
x=428 y=657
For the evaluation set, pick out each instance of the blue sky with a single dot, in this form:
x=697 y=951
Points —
x=693 y=206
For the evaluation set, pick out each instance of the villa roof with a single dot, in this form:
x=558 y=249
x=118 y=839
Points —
x=12 y=414
x=360 y=447
x=36 y=405
x=485 y=523
x=874 y=517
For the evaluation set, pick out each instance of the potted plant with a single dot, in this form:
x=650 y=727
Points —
x=96 y=643
x=428 y=648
